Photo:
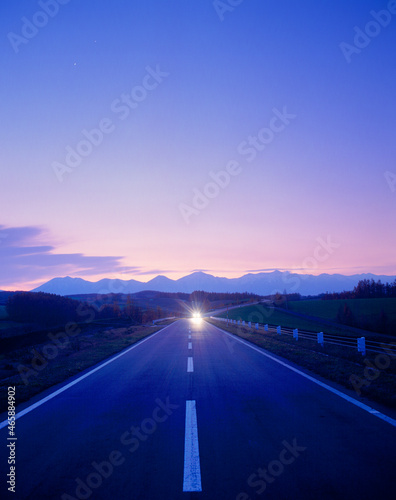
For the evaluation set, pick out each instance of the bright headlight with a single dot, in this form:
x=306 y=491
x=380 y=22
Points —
x=197 y=318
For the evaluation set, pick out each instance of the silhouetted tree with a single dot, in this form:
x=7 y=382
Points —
x=345 y=315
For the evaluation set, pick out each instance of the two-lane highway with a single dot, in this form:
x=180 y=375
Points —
x=192 y=412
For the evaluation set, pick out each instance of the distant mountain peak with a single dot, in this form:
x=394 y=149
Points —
x=160 y=279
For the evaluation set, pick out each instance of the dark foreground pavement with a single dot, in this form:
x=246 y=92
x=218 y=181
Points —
x=262 y=430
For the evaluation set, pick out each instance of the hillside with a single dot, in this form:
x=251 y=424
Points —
x=376 y=314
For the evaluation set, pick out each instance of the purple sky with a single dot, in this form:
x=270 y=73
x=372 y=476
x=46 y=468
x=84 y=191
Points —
x=145 y=138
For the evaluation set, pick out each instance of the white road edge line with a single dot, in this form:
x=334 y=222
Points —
x=364 y=407
x=192 y=468
x=190 y=345
x=190 y=365
x=64 y=388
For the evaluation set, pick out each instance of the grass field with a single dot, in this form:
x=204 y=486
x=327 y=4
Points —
x=366 y=311
x=321 y=309
x=3 y=313
x=260 y=313
x=6 y=325
x=328 y=309
x=344 y=366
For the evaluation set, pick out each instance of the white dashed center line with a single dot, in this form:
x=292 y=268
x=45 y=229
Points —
x=192 y=468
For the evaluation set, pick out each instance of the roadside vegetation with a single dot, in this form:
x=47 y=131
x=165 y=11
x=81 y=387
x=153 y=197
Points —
x=3 y=313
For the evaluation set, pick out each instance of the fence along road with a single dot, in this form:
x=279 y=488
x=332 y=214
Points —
x=319 y=337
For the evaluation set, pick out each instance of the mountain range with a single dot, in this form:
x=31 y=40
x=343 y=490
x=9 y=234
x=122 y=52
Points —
x=259 y=283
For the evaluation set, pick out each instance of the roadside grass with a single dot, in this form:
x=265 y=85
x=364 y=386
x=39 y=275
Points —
x=165 y=322
x=336 y=363
x=263 y=313
x=90 y=347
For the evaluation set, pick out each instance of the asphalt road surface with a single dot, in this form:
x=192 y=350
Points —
x=198 y=415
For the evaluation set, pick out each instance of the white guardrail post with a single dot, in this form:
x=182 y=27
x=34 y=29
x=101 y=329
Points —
x=266 y=328
x=250 y=324
x=320 y=338
x=256 y=326
x=279 y=329
x=361 y=345
x=295 y=333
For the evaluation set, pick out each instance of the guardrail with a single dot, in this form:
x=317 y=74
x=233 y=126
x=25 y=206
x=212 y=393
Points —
x=359 y=343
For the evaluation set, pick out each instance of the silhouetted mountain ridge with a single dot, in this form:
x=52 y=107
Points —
x=260 y=283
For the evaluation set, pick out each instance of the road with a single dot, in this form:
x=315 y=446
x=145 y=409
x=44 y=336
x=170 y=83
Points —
x=254 y=429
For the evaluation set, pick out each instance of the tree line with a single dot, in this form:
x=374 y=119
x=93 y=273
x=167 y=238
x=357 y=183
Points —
x=365 y=289
x=210 y=296
x=41 y=308
x=48 y=310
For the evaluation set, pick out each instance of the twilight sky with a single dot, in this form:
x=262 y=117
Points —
x=161 y=137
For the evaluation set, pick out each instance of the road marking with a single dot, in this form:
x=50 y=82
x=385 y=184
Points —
x=364 y=407
x=190 y=365
x=190 y=345
x=67 y=386
x=192 y=468
x=189 y=336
